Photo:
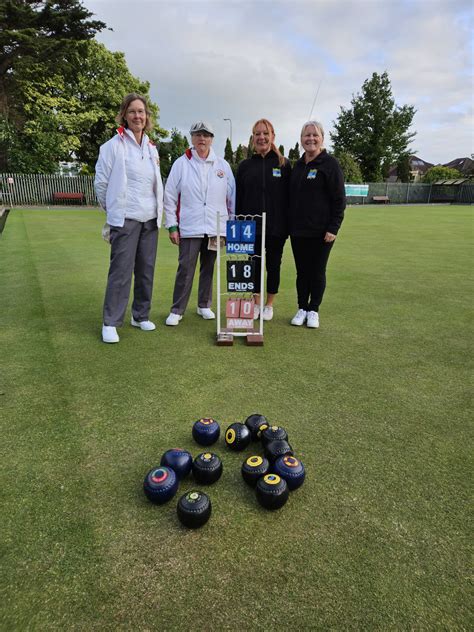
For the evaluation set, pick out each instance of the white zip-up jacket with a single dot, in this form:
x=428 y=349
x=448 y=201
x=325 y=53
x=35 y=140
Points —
x=192 y=207
x=111 y=178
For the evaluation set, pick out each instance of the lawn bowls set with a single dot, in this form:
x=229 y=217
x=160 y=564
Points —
x=273 y=474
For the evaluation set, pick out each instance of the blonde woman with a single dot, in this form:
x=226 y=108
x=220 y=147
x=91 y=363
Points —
x=317 y=208
x=129 y=188
x=263 y=182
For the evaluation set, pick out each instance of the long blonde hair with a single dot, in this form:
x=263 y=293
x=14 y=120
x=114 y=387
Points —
x=270 y=128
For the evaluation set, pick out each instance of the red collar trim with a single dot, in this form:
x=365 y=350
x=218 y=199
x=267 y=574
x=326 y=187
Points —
x=188 y=153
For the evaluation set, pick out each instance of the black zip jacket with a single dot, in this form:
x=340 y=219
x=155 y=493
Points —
x=262 y=185
x=317 y=197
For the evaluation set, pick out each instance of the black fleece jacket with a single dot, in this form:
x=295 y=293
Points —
x=317 y=197
x=262 y=185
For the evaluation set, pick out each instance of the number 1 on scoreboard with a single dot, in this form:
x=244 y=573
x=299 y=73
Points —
x=232 y=308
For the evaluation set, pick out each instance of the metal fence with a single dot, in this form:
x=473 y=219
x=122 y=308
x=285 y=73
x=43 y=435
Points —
x=417 y=193
x=38 y=189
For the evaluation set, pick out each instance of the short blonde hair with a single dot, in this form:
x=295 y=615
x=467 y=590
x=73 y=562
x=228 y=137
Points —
x=134 y=96
x=316 y=124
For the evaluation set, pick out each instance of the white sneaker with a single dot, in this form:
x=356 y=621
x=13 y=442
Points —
x=312 y=320
x=109 y=334
x=206 y=313
x=256 y=311
x=173 y=319
x=267 y=312
x=145 y=325
x=299 y=318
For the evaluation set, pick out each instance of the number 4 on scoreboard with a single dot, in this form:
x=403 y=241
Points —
x=247 y=232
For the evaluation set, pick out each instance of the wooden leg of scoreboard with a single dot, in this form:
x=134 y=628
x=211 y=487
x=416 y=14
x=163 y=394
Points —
x=225 y=339
x=255 y=338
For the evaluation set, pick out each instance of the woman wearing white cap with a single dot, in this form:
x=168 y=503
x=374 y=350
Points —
x=199 y=186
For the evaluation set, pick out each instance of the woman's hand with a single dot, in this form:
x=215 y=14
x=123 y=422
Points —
x=328 y=237
x=174 y=237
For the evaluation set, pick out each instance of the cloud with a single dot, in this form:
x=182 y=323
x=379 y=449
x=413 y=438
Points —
x=244 y=60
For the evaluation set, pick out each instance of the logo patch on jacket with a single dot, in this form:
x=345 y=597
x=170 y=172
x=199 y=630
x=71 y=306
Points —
x=220 y=173
x=312 y=174
x=277 y=173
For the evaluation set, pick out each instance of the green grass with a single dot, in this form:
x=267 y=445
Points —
x=376 y=403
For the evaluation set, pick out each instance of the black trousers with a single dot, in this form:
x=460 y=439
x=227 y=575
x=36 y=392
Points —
x=273 y=255
x=311 y=256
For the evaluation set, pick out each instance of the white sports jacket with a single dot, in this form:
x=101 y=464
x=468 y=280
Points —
x=188 y=206
x=111 y=178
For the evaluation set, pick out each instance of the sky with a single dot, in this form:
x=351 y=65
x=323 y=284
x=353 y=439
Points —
x=249 y=59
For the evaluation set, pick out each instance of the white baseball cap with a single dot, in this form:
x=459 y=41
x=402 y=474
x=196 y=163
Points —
x=201 y=126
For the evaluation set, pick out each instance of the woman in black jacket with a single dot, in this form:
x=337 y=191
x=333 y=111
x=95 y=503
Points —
x=262 y=185
x=317 y=203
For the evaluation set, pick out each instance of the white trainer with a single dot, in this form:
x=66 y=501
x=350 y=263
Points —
x=144 y=325
x=206 y=313
x=173 y=319
x=256 y=311
x=109 y=334
x=312 y=320
x=267 y=312
x=299 y=318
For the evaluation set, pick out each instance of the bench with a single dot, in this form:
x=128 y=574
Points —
x=61 y=197
x=381 y=199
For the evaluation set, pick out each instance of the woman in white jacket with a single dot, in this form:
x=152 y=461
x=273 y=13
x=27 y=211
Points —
x=200 y=187
x=129 y=188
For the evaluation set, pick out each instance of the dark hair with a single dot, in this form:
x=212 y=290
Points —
x=133 y=96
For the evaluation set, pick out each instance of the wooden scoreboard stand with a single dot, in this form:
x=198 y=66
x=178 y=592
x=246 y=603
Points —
x=240 y=279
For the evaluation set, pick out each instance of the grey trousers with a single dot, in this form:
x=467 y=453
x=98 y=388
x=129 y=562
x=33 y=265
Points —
x=132 y=251
x=189 y=249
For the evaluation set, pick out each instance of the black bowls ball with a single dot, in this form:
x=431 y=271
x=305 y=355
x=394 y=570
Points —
x=237 y=436
x=254 y=468
x=273 y=433
x=206 y=431
x=291 y=469
x=253 y=423
x=178 y=460
x=194 y=509
x=272 y=491
x=207 y=468
x=276 y=448
x=160 y=484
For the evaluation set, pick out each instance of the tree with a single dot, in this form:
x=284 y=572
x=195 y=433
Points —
x=294 y=154
x=58 y=102
x=403 y=167
x=350 y=167
x=228 y=152
x=250 y=147
x=440 y=173
x=281 y=149
x=239 y=154
x=39 y=42
x=171 y=150
x=374 y=130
